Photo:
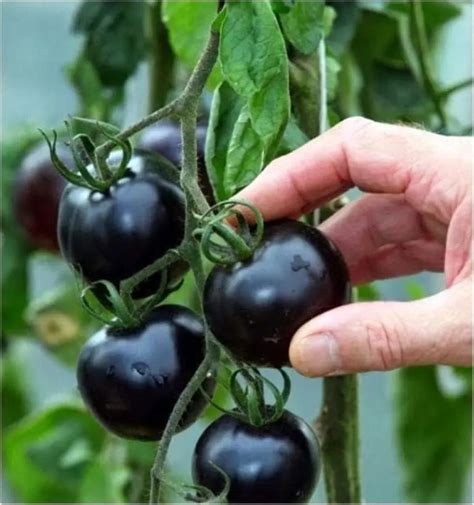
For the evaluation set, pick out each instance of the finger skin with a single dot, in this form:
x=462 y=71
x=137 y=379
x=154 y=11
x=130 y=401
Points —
x=387 y=335
x=376 y=158
x=382 y=236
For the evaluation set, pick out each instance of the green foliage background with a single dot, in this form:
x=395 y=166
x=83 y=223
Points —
x=263 y=104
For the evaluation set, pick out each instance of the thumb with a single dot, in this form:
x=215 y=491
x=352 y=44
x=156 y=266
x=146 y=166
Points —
x=387 y=335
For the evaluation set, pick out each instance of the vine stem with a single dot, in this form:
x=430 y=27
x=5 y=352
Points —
x=195 y=204
x=338 y=422
x=422 y=49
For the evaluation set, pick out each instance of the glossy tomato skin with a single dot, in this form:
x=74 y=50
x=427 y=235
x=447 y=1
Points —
x=37 y=191
x=115 y=234
x=165 y=138
x=131 y=379
x=255 y=307
x=274 y=463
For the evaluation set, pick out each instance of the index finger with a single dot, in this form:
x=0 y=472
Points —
x=375 y=157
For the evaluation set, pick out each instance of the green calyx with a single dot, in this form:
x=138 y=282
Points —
x=225 y=234
x=250 y=399
x=86 y=155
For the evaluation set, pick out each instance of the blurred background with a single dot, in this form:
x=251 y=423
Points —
x=36 y=46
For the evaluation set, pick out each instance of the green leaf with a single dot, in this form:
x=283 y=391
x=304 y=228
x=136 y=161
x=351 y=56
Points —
x=245 y=154
x=254 y=62
x=251 y=49
x=14 y=392
x=292 y=138
x=106 y=478
x=344 y=26
x=434 y=437
x=37 y=453
x=94 y=101
x=304 y=25
x=436 y=14
x=225 y=110
x=115 y=41
x=189 y=25
x=15 y=253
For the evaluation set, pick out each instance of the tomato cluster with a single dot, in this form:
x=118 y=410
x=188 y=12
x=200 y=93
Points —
x=131 y=375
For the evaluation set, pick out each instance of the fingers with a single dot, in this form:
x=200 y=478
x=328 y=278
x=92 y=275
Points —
x=382 y=236
x=386 y=335
x=375 y=157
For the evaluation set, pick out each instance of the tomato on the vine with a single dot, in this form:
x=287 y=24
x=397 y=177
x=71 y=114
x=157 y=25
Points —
x=132 y=378
x=37 y=191
x=165 y=138
x=112 y=235
x=274 y=463
x=255 y=306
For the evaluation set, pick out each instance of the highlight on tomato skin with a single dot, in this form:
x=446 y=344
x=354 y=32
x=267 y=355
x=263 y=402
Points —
x=37 y=191
x=131 y=379
x=126 y=228
x=278 y=462
x=255 y=306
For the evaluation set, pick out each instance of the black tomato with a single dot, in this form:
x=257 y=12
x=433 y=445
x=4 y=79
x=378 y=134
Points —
x=255 y=307
x=37 y=191
x=131 y=379
x=274 y=463
x=165 y=138
x=113 y=235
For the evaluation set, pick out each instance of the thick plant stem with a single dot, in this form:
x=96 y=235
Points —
x=161 y=60
x=422 y=49
x=337 y=425
x=338 y=430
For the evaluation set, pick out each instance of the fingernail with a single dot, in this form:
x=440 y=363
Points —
x=318 y=355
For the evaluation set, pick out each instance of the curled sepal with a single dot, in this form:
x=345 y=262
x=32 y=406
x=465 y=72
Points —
x=66 y=172
x=225 y=233
x=250 y=401
x=253 y=402
x=102 y=300
x=195 y=493
x=124 y=145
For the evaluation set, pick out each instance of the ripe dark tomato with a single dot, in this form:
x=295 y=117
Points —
x=115 y=234
x=37 y=191
x=255 y=307
x=131 y=379
x=165 y=138
x=274 y=463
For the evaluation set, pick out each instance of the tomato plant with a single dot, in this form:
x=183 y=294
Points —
x=133 y=222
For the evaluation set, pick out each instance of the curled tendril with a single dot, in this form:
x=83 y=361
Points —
x=250 y=401
x=237 y=239
x=108 y=307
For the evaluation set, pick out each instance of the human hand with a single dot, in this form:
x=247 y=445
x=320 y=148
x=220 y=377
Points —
x=416 y=216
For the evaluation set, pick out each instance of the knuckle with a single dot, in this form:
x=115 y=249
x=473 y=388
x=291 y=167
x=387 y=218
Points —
x=384 y=345
x=355 y=124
